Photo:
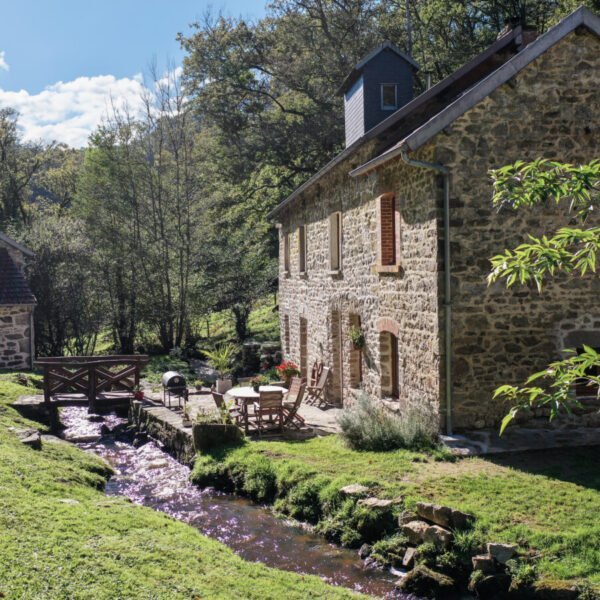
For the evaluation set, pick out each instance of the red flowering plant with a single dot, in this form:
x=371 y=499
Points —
x=287 y=369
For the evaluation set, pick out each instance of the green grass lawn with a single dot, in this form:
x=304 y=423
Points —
x=62 y=538
x=548 y=502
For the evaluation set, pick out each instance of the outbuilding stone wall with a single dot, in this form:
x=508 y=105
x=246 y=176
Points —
x=15 y=337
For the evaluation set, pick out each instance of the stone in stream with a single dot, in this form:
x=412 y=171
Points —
x=415 y=532
x=441 y=538
x=365 y=551
x=408 y=561
x=424 y=582
x=484 y=563
x=502 y=552
x=406 y=516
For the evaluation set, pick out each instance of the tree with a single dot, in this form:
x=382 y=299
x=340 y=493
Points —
x=572 y=250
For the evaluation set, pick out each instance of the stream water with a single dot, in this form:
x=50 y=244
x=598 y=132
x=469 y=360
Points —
x=147 y=475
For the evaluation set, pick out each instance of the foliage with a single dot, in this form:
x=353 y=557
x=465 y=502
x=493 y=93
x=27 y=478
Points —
x=390 y=551
x=367 y=425
x=357 y=337
x=569 y=251
x=523 y=574
x=288 y=369
x=221 y=358
x=57 y=519
x=559 y=377
x=517 y=498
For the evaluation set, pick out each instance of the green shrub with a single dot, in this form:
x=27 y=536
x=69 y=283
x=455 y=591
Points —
x=522 y=574
x=390 y=551
x=368 y=425
x=258 y=478
x=302 y=502
x=209 y=472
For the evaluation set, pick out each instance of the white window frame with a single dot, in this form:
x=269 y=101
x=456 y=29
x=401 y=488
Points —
x=389 y=106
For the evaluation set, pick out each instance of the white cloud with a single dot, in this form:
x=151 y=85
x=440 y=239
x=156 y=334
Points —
x=69 y=111
x=3 y=64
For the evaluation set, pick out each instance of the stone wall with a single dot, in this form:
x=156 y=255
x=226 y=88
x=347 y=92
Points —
x=15 y=337
x=332 y=301
x=550 y=109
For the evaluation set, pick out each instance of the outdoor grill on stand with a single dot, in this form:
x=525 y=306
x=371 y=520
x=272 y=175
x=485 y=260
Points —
x=174 y=387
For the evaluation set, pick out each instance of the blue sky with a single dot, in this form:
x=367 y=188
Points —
x=61 y=59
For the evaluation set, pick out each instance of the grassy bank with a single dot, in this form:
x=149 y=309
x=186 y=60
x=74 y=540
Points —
x=547 y=502
x=61 y=537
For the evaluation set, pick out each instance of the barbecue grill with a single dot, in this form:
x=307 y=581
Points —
x=174 y=386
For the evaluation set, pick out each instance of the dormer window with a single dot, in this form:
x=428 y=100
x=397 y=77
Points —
x=389 y=96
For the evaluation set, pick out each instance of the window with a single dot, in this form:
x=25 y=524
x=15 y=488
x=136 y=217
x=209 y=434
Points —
x=302 y=249
x=355 y=356
x=388 y=356
x=286 y=253
x=303 y=348
x=286 y=334
x=335 y=241
x=389 y=235
x=389 y=96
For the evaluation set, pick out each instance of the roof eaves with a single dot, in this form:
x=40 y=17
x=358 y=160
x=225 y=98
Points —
x=421 y=135
x=16 y=245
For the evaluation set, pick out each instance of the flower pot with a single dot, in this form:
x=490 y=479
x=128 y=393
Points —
x=187 y=422
x=224 y=385
x=256 y=388
x=138 y=395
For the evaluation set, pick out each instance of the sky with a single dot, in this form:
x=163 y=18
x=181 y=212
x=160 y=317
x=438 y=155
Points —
x=62 y=61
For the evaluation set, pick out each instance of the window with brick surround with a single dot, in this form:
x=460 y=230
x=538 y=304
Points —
x=286 y=334
x=286 y=253
x=302 y=249
x=335 y=241
x=388 y=231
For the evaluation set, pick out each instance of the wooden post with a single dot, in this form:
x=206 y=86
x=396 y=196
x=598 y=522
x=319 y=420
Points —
x=91 y=389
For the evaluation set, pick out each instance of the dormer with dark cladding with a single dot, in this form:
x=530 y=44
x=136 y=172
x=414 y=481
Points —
x=379 y=84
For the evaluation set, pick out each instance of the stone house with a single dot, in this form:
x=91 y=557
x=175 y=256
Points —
x=394 y=235
x=16 y=307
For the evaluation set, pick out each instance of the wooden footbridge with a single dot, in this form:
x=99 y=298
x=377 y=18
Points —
x=98 y=382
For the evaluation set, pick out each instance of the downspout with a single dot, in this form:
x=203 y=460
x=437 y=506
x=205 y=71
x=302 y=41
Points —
x=445 y=172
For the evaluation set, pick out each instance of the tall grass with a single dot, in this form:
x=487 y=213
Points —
x=368 y=425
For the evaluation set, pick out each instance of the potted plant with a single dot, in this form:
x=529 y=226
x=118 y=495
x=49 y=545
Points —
x=287 y=369
x=357 y=337
x=221 y=360
x=257 y=381
x=187 y=416
x=138 y=393
x=198 y=385
x=214 y=428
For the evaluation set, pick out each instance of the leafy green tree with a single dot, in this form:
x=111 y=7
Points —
x=571 y=250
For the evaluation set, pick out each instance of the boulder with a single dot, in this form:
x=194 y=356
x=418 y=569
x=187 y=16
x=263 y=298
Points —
x=408 y=562
x=422 y=581
x=556 y=591
x=484 y=563
x=31 y=438
x=426 y=511
x=354 y=490
x=491 y=586
x=377 y=503
x=415 y=532
x=406 y=516
x=502 y=552
x=441 y=538
x=461 y=520
x=365 y=551
x=442 y=515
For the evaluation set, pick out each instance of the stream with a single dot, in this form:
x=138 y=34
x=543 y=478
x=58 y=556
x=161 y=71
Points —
x=149 y=476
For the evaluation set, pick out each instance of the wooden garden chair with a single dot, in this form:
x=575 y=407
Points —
x=316 y=393
x=292 y=404
x=269 y=411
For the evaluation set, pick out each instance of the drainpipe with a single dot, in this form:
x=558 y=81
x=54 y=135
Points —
x=445 y=172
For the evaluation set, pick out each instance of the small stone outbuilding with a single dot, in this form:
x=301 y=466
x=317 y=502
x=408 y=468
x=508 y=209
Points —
x=16 y=307
x=394 y=235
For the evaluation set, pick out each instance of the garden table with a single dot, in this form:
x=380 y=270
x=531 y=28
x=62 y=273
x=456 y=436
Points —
x=245 y=396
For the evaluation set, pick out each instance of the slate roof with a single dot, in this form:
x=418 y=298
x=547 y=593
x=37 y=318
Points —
x=13 y=285
x=412 y=125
